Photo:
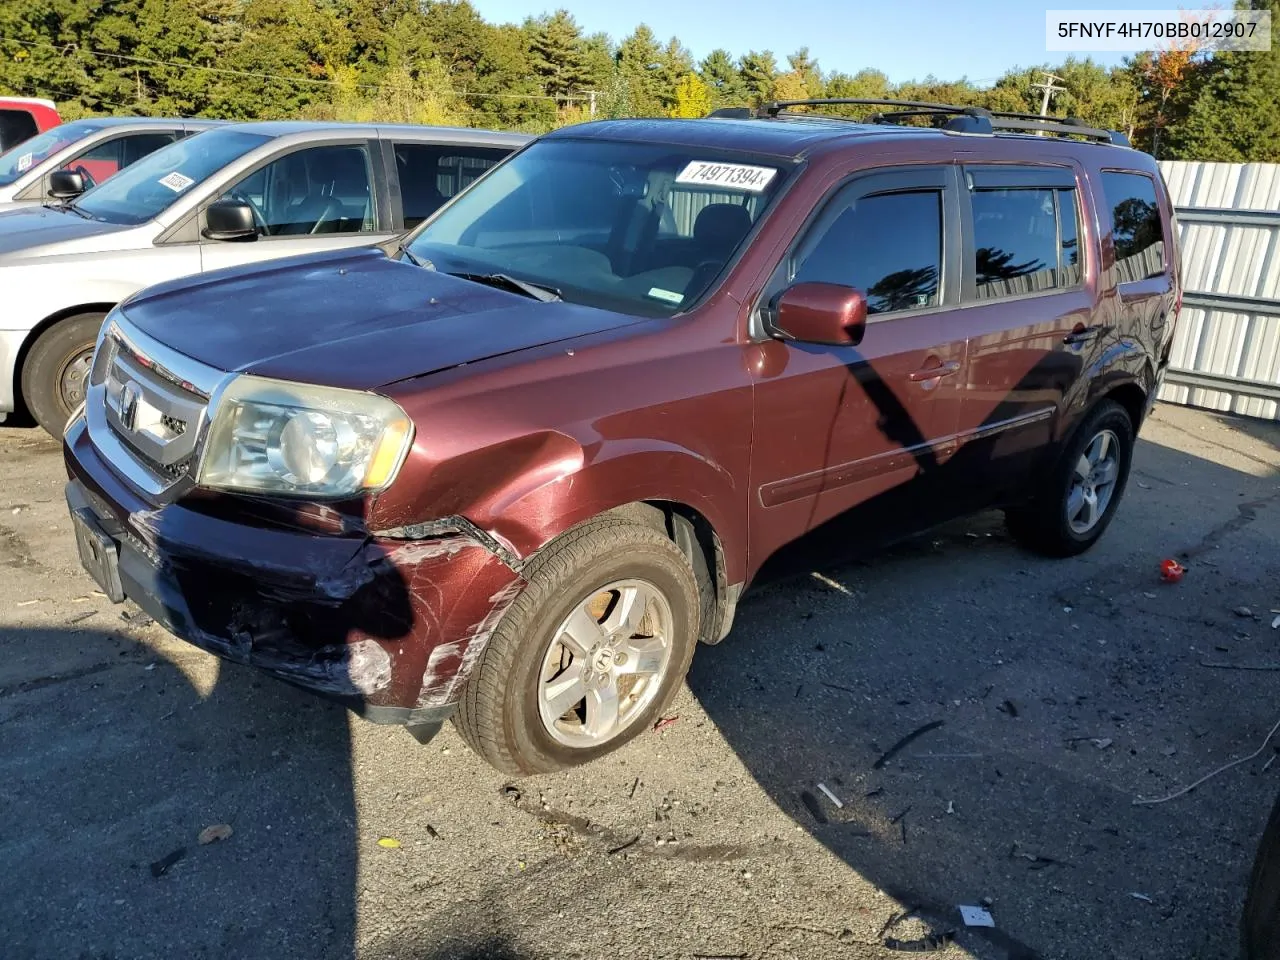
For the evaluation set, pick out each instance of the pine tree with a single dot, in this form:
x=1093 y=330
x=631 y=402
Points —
x=720 y=74
x=556 y=54
x=1234 y=115
x=638 y=62
x=759 y=73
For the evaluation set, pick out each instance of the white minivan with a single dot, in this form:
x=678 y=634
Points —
x=234 y=194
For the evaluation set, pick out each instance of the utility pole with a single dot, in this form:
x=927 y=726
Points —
x=592 y=103
x=1049 y=90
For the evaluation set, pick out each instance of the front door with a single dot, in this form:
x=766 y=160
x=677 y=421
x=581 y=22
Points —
x=848 y=441
x=317 y=198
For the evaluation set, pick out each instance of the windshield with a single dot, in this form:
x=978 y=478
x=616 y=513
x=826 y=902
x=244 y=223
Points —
x=146 y=188
x=641 y=228
x=14 y=163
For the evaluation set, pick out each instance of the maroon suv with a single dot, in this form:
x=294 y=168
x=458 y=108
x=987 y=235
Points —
x=512 y=469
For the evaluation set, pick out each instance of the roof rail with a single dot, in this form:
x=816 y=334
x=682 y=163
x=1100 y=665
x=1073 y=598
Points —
x=1063 y=126
x=957 y=119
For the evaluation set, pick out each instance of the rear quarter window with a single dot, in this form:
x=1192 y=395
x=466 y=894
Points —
x=1137 y=231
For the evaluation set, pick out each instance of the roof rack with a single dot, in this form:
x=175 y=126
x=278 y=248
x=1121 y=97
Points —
x=957 y=119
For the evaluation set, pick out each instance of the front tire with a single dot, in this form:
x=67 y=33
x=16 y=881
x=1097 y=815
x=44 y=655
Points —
x=1260 y=925
x=1081 y=494
x=588 y=655
x=55 y=374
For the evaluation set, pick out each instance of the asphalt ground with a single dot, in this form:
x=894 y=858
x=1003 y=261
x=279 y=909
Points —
x=1066 y=689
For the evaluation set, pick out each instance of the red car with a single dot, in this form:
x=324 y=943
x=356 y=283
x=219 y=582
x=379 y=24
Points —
x=513 y=467
x=21 y=118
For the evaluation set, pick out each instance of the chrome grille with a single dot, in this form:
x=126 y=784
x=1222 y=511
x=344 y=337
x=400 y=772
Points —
x=146 y=405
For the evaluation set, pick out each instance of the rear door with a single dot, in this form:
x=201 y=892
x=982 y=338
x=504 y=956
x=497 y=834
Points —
x=307 y=199
x=1031 y=312
x=849 y=441
x=423 y=176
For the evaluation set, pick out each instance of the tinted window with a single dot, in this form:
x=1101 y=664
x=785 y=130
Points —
x=583 y=217
x=431 y=174
x=316 y=191
x=1136 y=229
x=15 y=126
x=22 y=158
x=1024 y=241
x=889 y=246
x=138 y=145
x=142 y=191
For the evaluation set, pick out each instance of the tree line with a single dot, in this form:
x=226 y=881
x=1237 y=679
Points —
x=440 y=62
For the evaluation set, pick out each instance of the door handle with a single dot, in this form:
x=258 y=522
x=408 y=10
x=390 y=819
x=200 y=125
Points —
x=925 y=374
x=1081 y=334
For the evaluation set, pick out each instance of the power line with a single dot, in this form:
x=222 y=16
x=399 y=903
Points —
x=72 y=47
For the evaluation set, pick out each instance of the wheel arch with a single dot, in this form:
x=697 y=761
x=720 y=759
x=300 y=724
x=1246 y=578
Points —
x=35 y=333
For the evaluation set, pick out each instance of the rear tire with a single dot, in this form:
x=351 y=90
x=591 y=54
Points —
x=56 y=371
x=1082 y=493
x=509 y=713
x=1260 y=925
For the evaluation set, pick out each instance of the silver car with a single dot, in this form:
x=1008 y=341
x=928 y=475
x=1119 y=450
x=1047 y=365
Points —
x=235 y=194
x=95 y=149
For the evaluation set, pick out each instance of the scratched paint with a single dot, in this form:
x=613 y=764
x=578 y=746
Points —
x=450 y=664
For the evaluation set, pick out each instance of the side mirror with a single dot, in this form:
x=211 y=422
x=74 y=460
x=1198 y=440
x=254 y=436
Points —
x=229 y=220
x=65 y=185
x=827 y=313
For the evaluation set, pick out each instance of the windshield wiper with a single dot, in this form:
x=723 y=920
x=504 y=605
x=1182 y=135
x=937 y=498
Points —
x=535 y=291
x=405 y=252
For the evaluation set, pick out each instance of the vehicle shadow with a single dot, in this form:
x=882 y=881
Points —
x=1047 y=696
x=114 y=760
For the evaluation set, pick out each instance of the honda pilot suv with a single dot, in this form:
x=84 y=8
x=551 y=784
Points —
x=513 y=467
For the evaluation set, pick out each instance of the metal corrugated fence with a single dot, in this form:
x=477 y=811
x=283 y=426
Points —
x=1226 y=354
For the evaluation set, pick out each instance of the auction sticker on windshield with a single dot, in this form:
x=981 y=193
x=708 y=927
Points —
x=24 y=163
x=177 y=182
x=727 y=176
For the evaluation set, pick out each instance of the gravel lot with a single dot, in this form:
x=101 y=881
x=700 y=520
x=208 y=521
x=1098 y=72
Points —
x=1066 y=689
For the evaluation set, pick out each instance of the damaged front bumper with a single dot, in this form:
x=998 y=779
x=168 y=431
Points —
x=388 y=627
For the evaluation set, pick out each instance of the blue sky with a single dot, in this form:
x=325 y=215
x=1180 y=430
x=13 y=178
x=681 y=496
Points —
x=907 y=39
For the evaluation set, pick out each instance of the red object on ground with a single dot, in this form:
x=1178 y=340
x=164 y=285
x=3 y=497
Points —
x=1171 y=571
x=664 y=723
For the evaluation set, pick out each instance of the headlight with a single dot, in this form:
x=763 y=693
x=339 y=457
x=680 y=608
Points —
x=292 y=439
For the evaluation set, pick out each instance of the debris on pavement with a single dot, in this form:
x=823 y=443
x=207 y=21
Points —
x=161 y=866
x=1102 y=742
x=1243 y=612
x=951 y=807
x=1275 y=624
x=1142 y=896
x=614 y=851
x=432 y=832
x=80 y=616
x=815 y=809
x=1139 y=802
x=663 y=723
x=219 y=831
x=390 y=843
x=137 y=618
x=1218 y=665
x=905 y=742
x=1171 y=571
x=1009 y=707
x=933 y=943
x=976 y=917
x=831 y=796
x=634 y=783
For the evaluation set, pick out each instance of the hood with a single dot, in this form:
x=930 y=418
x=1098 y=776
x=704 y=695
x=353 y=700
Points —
x=354 y=319
x=29 y=230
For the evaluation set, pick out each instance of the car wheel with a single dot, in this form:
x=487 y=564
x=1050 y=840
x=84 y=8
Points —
x=1260 y=925
x=56 y=372
x=588 y=654
x=1083 y=490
